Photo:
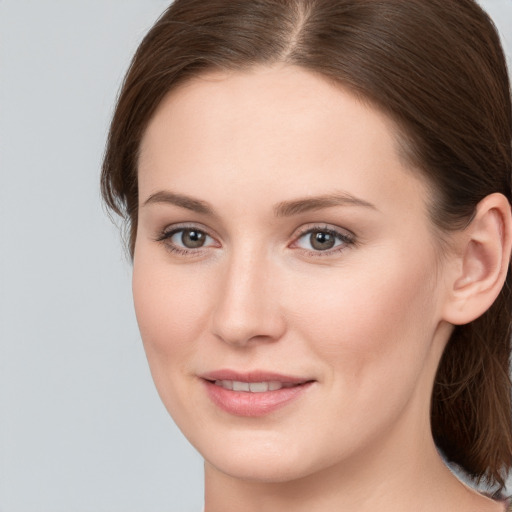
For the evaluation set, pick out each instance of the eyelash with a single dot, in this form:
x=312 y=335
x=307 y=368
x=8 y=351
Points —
x=346 y=238
x=166 y=236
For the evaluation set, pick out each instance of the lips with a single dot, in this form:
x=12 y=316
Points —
x=253 y=387
x=253 y=394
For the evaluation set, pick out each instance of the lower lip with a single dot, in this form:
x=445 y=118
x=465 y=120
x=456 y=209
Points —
x=243 y=403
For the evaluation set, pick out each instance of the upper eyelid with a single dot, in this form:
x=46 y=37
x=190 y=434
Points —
x=344 y=232
x=174 y=228
x=297 y=232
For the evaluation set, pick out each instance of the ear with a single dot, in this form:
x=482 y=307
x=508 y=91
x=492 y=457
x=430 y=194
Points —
x=482 y=261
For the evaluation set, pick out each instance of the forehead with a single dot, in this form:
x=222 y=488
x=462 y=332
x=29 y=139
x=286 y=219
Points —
x=267 y=124
x=285 y=100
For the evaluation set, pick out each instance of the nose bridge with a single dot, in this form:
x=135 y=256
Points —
x=246 y=305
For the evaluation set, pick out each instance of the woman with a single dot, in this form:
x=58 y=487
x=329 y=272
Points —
x=318 y=199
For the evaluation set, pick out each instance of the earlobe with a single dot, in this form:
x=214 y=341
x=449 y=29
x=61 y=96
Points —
x=483 y=261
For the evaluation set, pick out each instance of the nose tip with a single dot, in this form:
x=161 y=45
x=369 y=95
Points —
x=241 y=322
x=241 y=336
x=247 y=309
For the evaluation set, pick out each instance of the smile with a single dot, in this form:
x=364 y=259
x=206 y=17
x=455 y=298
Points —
x=253 y=394
x=253 y=387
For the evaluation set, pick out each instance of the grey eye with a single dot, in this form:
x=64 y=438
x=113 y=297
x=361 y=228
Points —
x=321 y=240
x=190 y=238
x=187 y=241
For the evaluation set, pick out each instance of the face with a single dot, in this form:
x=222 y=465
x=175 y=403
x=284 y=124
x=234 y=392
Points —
x=287 y=278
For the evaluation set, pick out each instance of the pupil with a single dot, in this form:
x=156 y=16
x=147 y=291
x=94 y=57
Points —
x=192 y=238
x=322 y=241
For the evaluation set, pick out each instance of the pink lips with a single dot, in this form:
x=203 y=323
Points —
x=246 y=403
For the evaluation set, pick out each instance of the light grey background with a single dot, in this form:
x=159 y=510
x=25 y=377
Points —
x=81 y=426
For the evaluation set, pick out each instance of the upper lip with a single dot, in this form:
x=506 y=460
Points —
x=253 y=376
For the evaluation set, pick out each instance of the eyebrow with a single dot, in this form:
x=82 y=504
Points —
x=167 y=197
x=282 y=209
x=297 y=206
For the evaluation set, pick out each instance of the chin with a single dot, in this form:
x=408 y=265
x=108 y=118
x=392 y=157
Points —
x=270 y=460
x=261 y=469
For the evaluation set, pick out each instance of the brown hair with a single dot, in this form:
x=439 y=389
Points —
x=437 y=69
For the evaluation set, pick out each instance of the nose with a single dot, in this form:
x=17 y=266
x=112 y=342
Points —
x=247 y=308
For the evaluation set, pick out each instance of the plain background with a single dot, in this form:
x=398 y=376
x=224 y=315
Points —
x=81 y=426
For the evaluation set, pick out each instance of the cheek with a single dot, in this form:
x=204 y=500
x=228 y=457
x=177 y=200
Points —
x=168 y=305
x=373 y=332
x=372 y=323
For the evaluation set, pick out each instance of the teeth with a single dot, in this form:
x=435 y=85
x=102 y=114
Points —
x=258 y=387
x=252 y=387
x=240 y=386
x=228 y=384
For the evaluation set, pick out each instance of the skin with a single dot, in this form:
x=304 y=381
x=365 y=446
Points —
x=366 y=320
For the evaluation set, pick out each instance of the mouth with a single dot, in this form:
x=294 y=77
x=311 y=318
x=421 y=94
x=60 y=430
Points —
x=253 y=387
x=253 y=394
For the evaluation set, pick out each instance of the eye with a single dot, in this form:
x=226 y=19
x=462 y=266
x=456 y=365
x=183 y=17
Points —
x=189 y=238
x=184 y=240
x=323 y=240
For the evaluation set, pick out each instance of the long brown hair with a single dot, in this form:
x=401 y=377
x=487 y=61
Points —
x=437 y=69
